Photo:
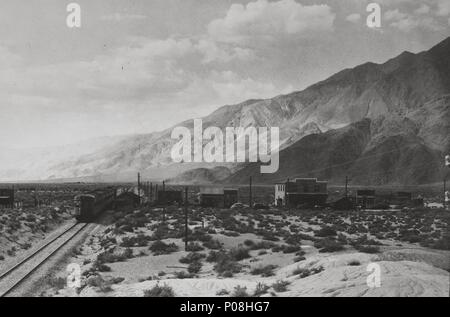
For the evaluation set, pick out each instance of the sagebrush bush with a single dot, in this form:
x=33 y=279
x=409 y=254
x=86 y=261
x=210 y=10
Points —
x=280 y=286
x=264 y=271
x=194 y=267
x=160 y=248
x=240 y=291
x=328 y=245
x=192 y=257
x=261 y=289
x=160 y=291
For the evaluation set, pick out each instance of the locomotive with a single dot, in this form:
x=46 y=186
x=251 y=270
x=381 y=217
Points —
x=89 y=206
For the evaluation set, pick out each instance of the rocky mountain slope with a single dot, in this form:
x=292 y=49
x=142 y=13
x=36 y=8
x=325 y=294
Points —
x=403 y=102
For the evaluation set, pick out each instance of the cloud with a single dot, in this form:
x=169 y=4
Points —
x=263 y=20
x=353 y=18
x=119 y=17
x=215 y=52
x=407 y=22
x=423 y=9
x=132 y=87
x=443 y=7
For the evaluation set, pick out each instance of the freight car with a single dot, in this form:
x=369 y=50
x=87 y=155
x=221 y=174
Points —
x=89 y=206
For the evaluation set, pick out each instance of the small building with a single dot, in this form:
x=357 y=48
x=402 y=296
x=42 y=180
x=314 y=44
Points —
x=169 y=197
x=7 y=198
x=231 y=196
x=345 y=203
x=215 y=197
x=365 y=198
x=301 y=191
x=127 y=199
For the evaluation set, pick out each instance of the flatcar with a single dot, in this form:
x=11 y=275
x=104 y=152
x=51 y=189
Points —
x=91 y=205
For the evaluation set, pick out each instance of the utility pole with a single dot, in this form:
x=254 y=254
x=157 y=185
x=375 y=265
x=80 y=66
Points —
x=250 y=195
x=447 y=166
x=286 y=191
x=445 y=192
x=164 y=201
x=151 y=193
x=186 y=219
x=139 y=188
x=346 y=186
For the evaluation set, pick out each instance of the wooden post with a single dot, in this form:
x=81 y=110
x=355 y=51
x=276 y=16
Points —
x=346 y=186
x=164 y=201
x=139 y=188
x=251 y=194
x=445 y=190
x=186 y=229
x=151 y=192
x=286 y=198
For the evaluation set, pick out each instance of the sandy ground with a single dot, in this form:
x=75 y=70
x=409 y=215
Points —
x=406 y=270
x=339 y=279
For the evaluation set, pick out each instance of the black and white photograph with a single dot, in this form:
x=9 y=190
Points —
x=213 y=150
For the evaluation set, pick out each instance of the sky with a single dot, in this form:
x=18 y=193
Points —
x=139 y=66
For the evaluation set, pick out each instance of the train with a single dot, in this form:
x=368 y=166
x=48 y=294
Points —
x=89 y=206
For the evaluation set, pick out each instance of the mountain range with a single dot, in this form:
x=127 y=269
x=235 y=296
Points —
x=378 y=124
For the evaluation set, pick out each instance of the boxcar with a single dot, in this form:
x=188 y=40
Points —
x=89 y=206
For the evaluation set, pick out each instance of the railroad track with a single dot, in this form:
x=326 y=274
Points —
x=16 y=275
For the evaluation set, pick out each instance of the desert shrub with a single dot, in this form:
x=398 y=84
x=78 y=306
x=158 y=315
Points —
x=213 y=256
x=262 y=245
x=101 y=267
x=239 y=253
x=226 y=266
x=293 y=239
x=159 y=248
x=261 y=289
x=299 y=259
x=442 y=244
x=113 y=256
x=326 y=231
x=240 y=291
x=57 y=282
x=280 y=286
x=304 y=272
x=160 y=291
x=182 y=275
x=291 y=249
x=213 y=244
x=192 y=257
x=194 y=247
x=102 y=284
x=140 y=240
x=194 y=267
x=264 y=271
x=328 y=245
x=222 y=292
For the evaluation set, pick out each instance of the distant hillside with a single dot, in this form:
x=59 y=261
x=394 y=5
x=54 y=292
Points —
x=405 y=100
x=202 y=176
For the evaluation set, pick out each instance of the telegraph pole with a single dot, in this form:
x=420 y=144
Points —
x=139 y=188
x=447 y=166
x=346 y=186
x=164 y=201
x=151 y=193
x=186 y=229
x=251 y=196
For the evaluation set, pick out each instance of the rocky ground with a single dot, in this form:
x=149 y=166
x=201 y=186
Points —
x=264 y=253
x=23 y=229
